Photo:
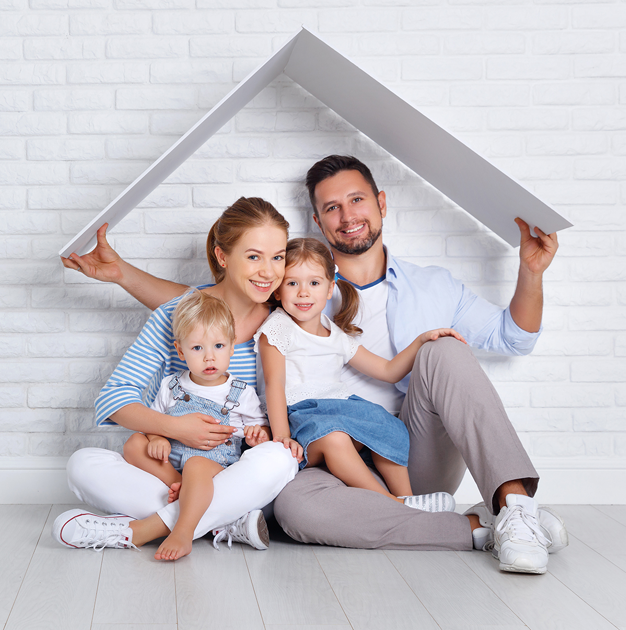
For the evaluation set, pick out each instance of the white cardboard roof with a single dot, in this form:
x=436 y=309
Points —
x=466 y=178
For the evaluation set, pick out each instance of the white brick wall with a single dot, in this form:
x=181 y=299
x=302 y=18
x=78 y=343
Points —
x=92 y=91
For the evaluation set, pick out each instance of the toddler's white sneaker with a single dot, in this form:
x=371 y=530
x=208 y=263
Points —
x=78 y=529
x=433 y=502
x=250 y=529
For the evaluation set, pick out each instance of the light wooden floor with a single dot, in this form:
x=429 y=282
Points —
x=298 y=587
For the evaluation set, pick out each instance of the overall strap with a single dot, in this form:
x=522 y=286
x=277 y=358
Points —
x=236 y=387
x=178 y=393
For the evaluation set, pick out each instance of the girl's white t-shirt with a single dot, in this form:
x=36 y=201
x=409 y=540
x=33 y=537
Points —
x=248 y=412
x=313 y=364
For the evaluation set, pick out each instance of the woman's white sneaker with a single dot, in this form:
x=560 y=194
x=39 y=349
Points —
x=250 y=529
x=433 y=502
x=78 y=529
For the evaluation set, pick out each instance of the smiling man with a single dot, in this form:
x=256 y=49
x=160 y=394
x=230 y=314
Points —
x=454 y=415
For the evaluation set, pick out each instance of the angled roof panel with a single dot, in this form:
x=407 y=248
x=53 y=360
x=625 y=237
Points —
x=466 y=178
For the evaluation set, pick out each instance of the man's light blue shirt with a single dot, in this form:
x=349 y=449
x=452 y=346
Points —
x=424 y=298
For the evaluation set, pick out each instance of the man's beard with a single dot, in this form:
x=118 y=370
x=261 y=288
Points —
x=359 y=247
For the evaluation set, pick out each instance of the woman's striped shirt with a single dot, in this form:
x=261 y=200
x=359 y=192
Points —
x=151 y=358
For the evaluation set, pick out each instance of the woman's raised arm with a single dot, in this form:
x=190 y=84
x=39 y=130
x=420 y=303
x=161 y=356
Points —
x=104 y=263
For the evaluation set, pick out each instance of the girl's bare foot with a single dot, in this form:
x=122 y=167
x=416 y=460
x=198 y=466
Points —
x=173 y=492
x=173 y=547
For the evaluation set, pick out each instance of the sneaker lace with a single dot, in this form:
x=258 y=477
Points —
x=524 y=525
x=101 y=534
x=233 y=531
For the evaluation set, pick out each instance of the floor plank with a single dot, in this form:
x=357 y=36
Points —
x=593 y=578
x=215 y=585
x=372 y=593
x=135 y=588
x=617 y=512
x=291 y=587
x=21 y=526
x=597 y=530
x=465 y=603
x=540 y=601
x=134 y=626
x=59 y=589
x=314 y=627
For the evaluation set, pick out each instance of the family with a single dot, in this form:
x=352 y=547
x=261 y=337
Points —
x=371 y=405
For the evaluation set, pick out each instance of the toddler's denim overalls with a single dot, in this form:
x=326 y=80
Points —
x=224 y=454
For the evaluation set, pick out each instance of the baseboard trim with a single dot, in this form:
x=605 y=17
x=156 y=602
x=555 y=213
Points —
x=33 y=480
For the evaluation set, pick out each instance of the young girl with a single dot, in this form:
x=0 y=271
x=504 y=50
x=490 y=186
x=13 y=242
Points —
x=302 y=354
x=204 y=333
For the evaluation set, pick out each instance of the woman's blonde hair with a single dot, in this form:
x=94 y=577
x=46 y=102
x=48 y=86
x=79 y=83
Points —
x=300 y=250
x=244 y=214
x=201 y=309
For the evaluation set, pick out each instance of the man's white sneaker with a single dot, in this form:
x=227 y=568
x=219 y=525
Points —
x=78 y=529
x=550 y=523
x=250 y=529
x=518 y=541
x=433 y=502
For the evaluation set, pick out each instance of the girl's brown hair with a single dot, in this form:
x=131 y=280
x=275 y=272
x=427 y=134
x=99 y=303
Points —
x=301 y=250
x=244 y=214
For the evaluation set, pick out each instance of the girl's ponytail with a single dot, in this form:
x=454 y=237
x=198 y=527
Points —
x=349 y=308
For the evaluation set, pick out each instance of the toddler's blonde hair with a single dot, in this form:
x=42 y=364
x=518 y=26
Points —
x=200 y=309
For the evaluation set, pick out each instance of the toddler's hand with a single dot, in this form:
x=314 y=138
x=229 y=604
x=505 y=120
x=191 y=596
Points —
x=159 y=448
x=296 y=449
x=256 y=434
x=432 y=335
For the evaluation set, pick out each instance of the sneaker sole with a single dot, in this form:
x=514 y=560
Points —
x=561 y=538
x=512 y=568
x=261 y=539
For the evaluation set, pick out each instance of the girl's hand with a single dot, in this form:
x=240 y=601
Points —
x=202 y=431
x=431 y=335
x=159 y=448
x=296 y=449
x=256 y=434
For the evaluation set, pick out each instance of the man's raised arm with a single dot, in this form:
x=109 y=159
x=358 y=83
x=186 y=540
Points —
x=536 y=254
x=103 y=263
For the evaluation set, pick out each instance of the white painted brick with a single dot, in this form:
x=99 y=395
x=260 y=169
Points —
x=106 y=172
x=24 y=322
x=49 y=149
x=10 y=48
x=111 y=23
x=600 y=168
x=67 y=198
x=621 y=294
x=599 y=17
x=574 y=395
x=503 y=18
x=567 y=144
x=495 y=145
x=597 y=318
x=541 y=419
x=604 y=371
x=118 y=344
x=576 y=244
x=420 y=95
x=12 y=396
x=33 y=24
x=484 y=43
x=506 y=270
x=295 y=121
x=259 y=21
x=32 y=73
x=107 y=322
x=24 y=174
x=69 y=298
x=13 y=248
x=256 y=121
x=32 y=372
x=456 y=120
x=571 y=43
x=573 y=344
x=83 y=421
x=571 y=446
x=32 y=124
x=141 y=148
x=107 y=123
x=619 y=445
x=33 y=421
x=477 y=245
x=181 y=222
x=577 y=193
x=164 y=123
x=235 y=4
x=425 y=246
x=513 y=395
x=221 y=197
x=12 y=198
x=108 y=72
x=620 y=396
x=154 y=247
x=517 y=68
x=90 y=372
x=64 y=445
x=323 y=3
x=202 y=172
x=11 y=346
x=398 y=44
x=14 y=101
x=12 y=445
x=440 y=18
x=166 y=197
x=263 y=171
x=327 y=120
x=64 y=100
x=574 y=94
x=595 y=66
x=603 y=270
x=599 y=419
x=489 y=95
x=233 y=147
x=26 y=273
x=230 y=46
x=14 y=297
x=578 y=294
x=156 y=98
x=146 y=47
x=190 y=273
x=316 y=148
x=442 y=69
x=191 y=71
x=192 y=23
x=524 y=369
x=12 y=149
x=155 y=4
x=66 y=48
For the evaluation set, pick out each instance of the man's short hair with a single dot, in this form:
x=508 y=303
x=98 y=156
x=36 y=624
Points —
x=332 y=165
